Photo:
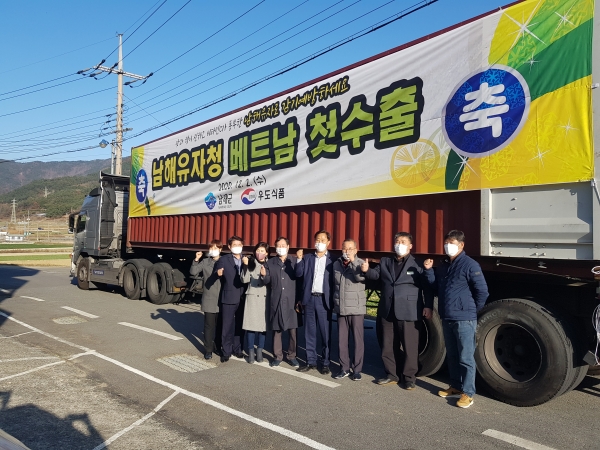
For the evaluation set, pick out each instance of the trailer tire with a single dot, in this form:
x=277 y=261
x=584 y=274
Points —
x=131 y=282
x=523 y=355
x=156 y=284
x=432 y=348
x=83 y=274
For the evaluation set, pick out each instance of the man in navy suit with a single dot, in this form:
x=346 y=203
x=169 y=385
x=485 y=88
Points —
x=317 y=272
x=228 y=268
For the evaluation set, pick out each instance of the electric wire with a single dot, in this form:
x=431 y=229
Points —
x=148 y=113
x=41 y=89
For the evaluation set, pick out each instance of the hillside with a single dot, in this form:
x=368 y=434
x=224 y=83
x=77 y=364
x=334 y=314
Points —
x=64 y=193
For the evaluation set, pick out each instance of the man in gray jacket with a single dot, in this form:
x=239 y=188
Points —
x=350 y=305
x=210 y=295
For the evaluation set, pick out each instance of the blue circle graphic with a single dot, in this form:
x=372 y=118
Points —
x=486 y=111
x=141 y=186
x=210 y=200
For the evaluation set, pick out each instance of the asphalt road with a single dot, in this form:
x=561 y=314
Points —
x=89 y=378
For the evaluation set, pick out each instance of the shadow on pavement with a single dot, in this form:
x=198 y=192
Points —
x=13 y=278
x=40 y=429
x=189 y=324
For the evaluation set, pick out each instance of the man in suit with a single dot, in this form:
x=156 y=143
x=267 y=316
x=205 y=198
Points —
x=405 y=299
x=228 y=268
x=317 y=272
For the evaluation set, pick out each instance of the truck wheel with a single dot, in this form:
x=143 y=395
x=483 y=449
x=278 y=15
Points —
x=131 y=282
x=83 y=274
x=593 y=370
x=432 y=348
x=523 y=355
x=156 y=284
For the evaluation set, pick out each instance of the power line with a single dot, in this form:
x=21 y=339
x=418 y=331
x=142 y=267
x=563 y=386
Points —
x=41 y=89
x=148 y=113
x=38 y=84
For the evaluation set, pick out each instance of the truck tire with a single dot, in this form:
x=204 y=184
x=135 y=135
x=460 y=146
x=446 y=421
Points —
x=593 y=370
x=156 y=284
x=83 y=274
x=432 y=348
x=131 y=282
x=523 y=355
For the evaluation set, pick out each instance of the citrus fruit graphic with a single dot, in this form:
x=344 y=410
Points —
x=414 y=164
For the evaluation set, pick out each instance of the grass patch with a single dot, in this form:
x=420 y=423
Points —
x=33 y=257
x=37 y=245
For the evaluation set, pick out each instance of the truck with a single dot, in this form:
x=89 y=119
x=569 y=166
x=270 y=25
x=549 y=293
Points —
x=485 y=127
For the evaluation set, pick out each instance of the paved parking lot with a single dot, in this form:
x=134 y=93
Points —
x=94 y=370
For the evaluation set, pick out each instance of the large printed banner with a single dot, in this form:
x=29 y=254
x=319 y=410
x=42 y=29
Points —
x=502 y=101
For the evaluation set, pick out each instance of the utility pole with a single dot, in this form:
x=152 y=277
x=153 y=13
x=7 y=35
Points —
x=13 y=217
x=118 y=147
x=45 y=192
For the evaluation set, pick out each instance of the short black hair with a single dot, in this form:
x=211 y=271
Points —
x=234 y=238
x=326 y=233
x=262 y=245
x=405 y=234
x=455 y=234
x=217 y=243
x=282 y=238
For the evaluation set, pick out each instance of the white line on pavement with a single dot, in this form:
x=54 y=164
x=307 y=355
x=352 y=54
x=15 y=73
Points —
x=515 y=440
x=78 y=311
x=136 y=423
x=32 y=370
x=4 y=291
x=262 y=423
x=150 y=330
x=33 y=298
x=293 y=373
x=16 y=335
x=28 y=359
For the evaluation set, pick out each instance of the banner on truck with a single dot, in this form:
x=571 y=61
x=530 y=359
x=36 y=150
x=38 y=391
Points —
x=502 y=101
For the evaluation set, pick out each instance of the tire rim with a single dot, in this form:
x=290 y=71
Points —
x=83 y=273
x=512 y=352
x=130 y=281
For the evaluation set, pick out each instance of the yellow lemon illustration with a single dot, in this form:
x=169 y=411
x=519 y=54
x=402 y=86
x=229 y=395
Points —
x=414 y=164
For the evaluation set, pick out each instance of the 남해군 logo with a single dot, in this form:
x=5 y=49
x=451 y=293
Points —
x=486 y=111
x=141 y=186
x=210 y=200
x=248 y=196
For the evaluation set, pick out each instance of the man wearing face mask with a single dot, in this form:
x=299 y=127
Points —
x=462 y=291
x=280 y=275
x=317 y=272
x=405 y=300
x=210 y=295
x=350 y=305
x=228 y=268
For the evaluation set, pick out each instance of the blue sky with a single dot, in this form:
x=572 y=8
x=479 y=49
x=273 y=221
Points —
x=46 y=40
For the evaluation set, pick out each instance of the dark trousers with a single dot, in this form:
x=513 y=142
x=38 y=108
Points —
x=355 y=324
x=210 y=331
x=278 y=344
x=316 y=315
x=232 y=328
x=394 y=336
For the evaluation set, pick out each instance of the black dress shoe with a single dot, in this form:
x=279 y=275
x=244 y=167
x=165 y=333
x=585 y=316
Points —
x=325 y=370
x=385 y=380
x=306 y=368
x=409 y=385
x=239 y=355
x=208 y=355
x=224 y=359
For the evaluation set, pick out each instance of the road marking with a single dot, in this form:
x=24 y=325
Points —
x=28 y=359
x=33 y=298
x=293 y=373
x=78 y=311
x=16 y=335
x=150 y=330
x=515 y=440
x=136 y=423
x=261 y=423
x=45 y=365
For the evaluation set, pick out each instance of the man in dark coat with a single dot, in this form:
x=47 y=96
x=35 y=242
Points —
x=228 y=267
x=317 y=299
x=280 y=275
x=401 y=309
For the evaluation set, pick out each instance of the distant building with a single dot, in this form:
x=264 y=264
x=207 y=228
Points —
x=14 y=238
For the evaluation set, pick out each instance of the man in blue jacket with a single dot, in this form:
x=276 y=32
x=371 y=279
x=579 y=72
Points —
x=317 y=283
x=462 y=292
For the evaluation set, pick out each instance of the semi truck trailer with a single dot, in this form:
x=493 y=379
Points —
x=486 y=127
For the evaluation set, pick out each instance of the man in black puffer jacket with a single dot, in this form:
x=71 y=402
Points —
x=462 y=292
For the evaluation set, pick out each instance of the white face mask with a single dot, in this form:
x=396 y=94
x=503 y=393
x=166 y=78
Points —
x=236 y=250
x=213 y=253
x=281 y=251
x=401 y=249
x=346 y=256
x=321 y=247
x=451 y=249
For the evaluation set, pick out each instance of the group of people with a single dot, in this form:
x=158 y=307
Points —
x=250 y=295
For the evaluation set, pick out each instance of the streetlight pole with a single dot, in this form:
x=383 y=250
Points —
x=118 y=150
